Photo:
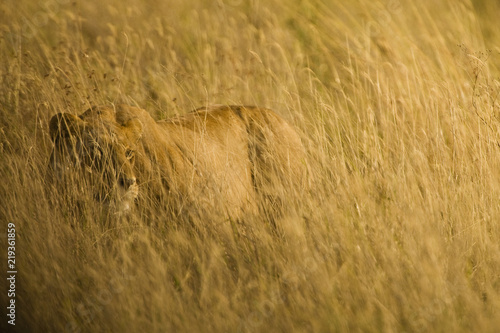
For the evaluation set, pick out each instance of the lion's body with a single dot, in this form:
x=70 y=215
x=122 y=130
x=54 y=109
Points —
x=221 y=158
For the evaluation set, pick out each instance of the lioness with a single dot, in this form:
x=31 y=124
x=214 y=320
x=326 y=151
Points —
x=222 y=158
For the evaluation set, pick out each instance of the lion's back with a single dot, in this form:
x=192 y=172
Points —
x=272 y=146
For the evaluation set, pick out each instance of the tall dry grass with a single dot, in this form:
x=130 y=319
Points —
x=398 y=105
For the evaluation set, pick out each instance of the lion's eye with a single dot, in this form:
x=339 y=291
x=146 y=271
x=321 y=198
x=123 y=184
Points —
x=129 y=154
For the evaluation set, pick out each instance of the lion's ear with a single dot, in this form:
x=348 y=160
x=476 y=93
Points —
x=65 y=125
x=126 y=112
x=134 y=129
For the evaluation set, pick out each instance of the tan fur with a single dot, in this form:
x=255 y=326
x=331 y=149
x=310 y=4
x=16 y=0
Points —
x=222 y=158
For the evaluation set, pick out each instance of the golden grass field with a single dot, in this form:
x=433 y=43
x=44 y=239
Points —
x=397 y=105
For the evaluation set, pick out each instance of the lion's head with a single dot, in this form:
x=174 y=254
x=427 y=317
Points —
x=98 y=145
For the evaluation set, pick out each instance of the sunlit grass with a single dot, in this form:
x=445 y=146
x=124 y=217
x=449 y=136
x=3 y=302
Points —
x=397 y=106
